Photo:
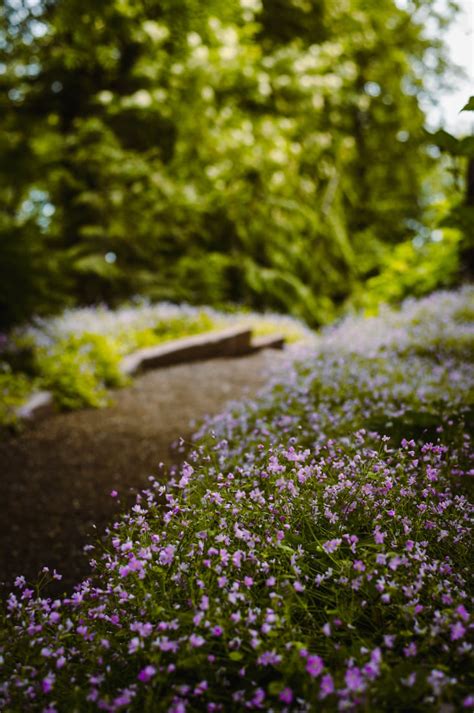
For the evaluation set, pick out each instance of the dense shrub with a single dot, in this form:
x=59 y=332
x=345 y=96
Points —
x=299 y=560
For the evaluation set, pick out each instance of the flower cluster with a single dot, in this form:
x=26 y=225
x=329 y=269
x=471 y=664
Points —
x=311 y=554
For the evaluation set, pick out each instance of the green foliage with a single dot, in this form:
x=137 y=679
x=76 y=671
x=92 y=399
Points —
x=77 y=355
x=469 y=106
x=14 y=388
x=209 y=151
x=412 y=269
x=79 y=369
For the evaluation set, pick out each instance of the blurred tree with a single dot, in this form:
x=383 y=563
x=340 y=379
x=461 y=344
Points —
x=207 y=150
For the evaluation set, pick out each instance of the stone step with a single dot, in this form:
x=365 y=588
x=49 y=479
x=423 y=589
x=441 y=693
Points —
x=229 y=342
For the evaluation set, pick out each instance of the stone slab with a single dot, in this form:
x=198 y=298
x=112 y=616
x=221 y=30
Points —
x=229 y=342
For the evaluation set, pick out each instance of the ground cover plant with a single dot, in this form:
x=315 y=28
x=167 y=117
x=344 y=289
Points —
x=77 y=354
x=311 y=554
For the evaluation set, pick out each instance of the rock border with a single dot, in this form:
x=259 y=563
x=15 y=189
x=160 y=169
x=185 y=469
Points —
x=229 y=342
x=233 y=342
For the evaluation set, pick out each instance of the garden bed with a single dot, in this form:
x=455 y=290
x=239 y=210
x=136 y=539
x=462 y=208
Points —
x=313 y=554
x=72 y=361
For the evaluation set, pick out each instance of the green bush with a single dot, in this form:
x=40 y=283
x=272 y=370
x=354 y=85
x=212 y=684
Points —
x=414 y=270
x=78 y=370
x=14 y=388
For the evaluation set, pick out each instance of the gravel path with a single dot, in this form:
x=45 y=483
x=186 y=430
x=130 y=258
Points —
x=56 y=477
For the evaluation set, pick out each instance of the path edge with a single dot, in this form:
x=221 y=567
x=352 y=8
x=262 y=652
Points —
x=233 y=342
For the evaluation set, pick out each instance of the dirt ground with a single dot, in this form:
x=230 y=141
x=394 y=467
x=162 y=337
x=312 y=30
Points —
x=56 y=477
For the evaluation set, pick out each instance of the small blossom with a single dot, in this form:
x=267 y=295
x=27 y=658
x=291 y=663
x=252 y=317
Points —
x=146 y=674
x=314 y=665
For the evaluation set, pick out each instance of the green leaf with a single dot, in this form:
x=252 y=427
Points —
x=275 y=687
x=469 y=106
x=446 y=141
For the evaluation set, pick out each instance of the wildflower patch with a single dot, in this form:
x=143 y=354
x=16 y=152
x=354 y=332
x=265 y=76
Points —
x=312 y=554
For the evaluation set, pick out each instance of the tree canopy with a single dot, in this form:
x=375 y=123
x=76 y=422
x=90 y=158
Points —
x=208 y=150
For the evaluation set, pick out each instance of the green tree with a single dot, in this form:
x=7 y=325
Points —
x=207 y=151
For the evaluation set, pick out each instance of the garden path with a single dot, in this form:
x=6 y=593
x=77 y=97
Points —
x=56 y=477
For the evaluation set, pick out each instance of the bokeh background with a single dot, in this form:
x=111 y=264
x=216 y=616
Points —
x=279 y=154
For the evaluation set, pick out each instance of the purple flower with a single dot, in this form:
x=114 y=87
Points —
x=457 y=631
x=331 y=545
x=379 y=536
x=314 y=665
x=354 y=679
x=146 y=674
x=327 y=686
x=20 y=582
x=167 y=554
x=196 y=641
x=48 y=682
x=237 y=559
x=269 y=658
x=286 y=696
